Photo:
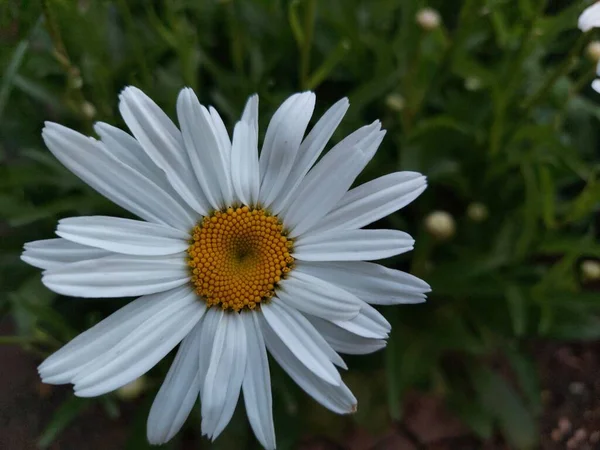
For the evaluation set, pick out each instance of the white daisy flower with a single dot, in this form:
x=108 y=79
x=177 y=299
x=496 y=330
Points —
x=236 y=254
x=589 y=18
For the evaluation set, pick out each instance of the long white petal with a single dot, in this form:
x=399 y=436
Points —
x=210 y=324
x=281 y=144
x=224 y=376
x=64 y=364
x=309 y=294
x=372 y=283
x=373 y=200
x=329 y=180
x=338 y=399
x=310 y=150
x=244 y=164
x=162 y=141
x=139 y=351
x=589 y=18
x=369 y=323
x=344 y=341
x=302 y=339
x=118 y=276
x=125 y=186
x=132 y=237
x=178 y=393
x=352 y=245
x=257 y=384
x=208 y=159
x=55 y=253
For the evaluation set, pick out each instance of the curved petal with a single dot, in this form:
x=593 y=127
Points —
x=118 y=276
x=312 y=295
x=310 y=150
x=55 y=253
x=132 y=237
x=257 y=384
x=589 y=18
x=178 y=393
x=205 y=152
x=94 y=164
x=338 y=399
x=67 y=362
x=282 y=140
x=162 y=142
x=224 y=376
x=373 y=200
x=329 y=180
x=344 y=341
x=370 y=282
x=139 y=351
x=369 y=323
x=352 y=245
x=302 y=340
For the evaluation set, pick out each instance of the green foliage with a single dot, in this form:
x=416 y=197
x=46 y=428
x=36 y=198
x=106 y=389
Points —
x=494 y=108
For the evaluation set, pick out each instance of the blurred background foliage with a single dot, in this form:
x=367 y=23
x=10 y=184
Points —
x=492 y=103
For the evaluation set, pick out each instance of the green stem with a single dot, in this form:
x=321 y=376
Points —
x=137 y=49
x=309 y=24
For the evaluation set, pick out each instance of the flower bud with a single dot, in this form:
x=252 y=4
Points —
x=395 y=102
x=472 y=84
x=428 y=18
x=440 y=225
x=132 y=390
x=590 y=270
x=88 y=110
x=593 y=51
x=477 y=212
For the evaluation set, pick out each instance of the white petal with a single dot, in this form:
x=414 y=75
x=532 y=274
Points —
x=368 y=323
x=257 y=384
x=132 y=237
x=208 y=159
x=118 y=276
x=63 y=365
x=162 y=142
x=329 y=180
x=221 y=133
x=281 y=144
x=250 y=114
x=589 y=18
x=178 y=393
x=224 y=376
x=302 y=339
x=372 y=283
x=54 y=253
x=596 y=85
x=344 y=341
x=139 y=351
x=338 y=399
x=352 y=245
x=210 y=325
x=373 y=200
x=94 y=164
x=244 y=164
x=310 y=150
x=309 y=294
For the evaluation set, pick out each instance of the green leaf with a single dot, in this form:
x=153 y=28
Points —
x=517 y=306
x=61 y=419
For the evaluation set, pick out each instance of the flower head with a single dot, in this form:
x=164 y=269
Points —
x=236 y=253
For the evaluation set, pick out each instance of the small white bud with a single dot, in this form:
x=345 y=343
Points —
x=395 y=102
x=440 y=224
x=477 y=212
x=132 y=390
x=590 y=270
x=428 y=18
x=88 y=110
x=472 y=84
x=593 y=51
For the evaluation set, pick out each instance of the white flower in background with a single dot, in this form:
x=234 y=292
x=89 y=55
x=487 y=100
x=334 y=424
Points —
x=440 y=224
x=236 y=254
x=589 y=18
x=428 y=18
x=593 y=51
x=590 y=270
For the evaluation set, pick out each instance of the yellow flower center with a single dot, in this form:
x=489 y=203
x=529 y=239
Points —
x=237 y=257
